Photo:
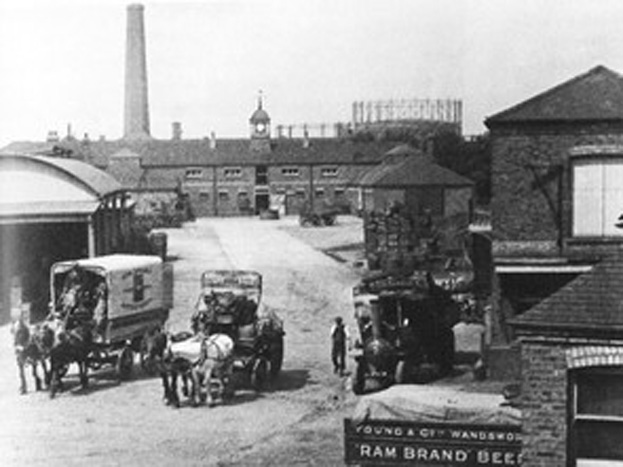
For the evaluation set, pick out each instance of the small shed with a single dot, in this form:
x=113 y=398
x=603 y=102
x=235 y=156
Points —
x=417 y=183
x=53 y=209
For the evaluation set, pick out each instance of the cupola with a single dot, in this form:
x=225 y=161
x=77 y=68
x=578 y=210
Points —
x=260 y=121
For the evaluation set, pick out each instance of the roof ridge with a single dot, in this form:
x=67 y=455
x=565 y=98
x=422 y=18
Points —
x=598 y=69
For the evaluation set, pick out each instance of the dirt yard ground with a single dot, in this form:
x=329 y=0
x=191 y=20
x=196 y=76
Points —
x=299 y=421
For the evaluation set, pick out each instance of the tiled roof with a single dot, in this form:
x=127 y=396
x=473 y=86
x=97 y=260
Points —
x=594 y=95
x=28 y=147
x=592 y=301
x=413 y=171
x=179 y=153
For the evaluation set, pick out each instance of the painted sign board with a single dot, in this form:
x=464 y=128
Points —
x=394 y=443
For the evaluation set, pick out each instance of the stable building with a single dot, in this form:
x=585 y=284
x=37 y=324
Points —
x=53 y=209
x=226 y=177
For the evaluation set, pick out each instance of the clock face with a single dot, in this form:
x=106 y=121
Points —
x=260 y=128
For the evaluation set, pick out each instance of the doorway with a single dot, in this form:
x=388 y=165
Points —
x=262 y=202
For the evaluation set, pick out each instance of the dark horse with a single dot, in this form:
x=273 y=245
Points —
x=71 y=344
x=169 y=367
x=32 y=344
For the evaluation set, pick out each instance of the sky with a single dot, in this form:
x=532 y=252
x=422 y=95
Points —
x=62 y=61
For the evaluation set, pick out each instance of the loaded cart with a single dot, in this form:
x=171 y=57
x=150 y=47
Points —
x=230 y=303
x=123 y=297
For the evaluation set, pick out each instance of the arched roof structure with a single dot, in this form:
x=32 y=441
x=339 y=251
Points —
x=49 y=189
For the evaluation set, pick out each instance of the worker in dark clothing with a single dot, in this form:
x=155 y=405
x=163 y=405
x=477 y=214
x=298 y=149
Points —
x=339 y=339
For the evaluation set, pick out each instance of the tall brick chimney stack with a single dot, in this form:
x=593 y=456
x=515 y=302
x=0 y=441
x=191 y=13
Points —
x=136 y=123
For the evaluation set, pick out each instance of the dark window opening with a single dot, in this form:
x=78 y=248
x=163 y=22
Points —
x=261 y=175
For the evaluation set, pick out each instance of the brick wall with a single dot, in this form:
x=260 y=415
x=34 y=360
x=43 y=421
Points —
x=544 y=404
x=222 y=198
x=531 y=219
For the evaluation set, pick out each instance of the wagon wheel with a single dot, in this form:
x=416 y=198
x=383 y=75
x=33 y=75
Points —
x=276 y=357
x=125 y=362
x=360 y=378
x=259 y=374
x=96 y=358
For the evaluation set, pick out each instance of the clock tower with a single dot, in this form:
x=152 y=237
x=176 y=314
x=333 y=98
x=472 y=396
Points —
x=260 y=128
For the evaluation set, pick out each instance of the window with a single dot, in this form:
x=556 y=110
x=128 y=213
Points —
x=261 y=175
x=194 y=173
x=329 y=171
x=223 y=196
x=339 y=191
x=597 y=197
x=319 y=192
x=233 y=172
x=290 y=171
x=597 y=421
x=204 y=196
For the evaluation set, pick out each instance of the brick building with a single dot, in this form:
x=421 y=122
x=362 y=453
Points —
x=554 y=158
x=226 y=177
x=557 y=163
x=572 y=380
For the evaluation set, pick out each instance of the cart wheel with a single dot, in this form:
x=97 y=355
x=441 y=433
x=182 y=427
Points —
x=399 y=373
x=276 y=357
x=95 y=359
x=125 y=362
x=360 y=378
x=259 y=374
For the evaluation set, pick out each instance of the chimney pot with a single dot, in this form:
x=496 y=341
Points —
x=212 y=140
x=177 y=130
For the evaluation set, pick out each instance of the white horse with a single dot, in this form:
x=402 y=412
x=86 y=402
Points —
x=211 y=365
x=212 y=374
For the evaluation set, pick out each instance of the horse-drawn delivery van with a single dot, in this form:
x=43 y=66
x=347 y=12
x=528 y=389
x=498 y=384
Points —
x=124 y=297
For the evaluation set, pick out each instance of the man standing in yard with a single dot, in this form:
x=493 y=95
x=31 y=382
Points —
x=339 y=338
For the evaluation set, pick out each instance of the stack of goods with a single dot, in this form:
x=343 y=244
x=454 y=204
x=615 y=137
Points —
x=389 y=241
